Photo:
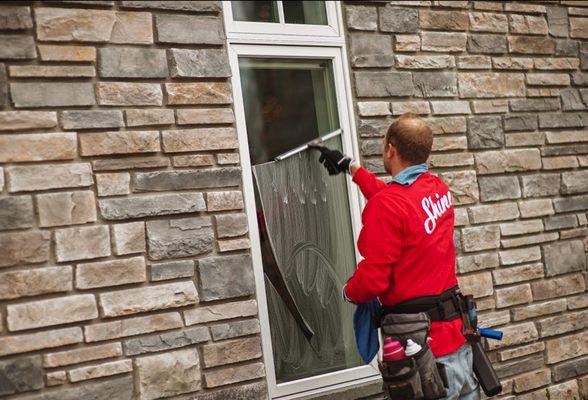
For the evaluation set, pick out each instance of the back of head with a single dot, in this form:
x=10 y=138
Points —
x=412 y=137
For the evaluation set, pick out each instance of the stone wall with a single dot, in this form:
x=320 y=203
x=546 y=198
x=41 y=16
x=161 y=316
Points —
x=124 y=266
x=504 y=87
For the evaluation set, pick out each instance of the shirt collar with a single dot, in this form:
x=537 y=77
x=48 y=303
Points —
x=408 y=175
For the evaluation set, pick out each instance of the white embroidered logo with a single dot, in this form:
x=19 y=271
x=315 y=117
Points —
x=435 y=209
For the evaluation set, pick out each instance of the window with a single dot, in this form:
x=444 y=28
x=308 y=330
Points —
x=293 y=12
x=303 y=223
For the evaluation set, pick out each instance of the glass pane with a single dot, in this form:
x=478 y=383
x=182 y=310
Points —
x=303 y=215
x=255 y=11
x=305 y=12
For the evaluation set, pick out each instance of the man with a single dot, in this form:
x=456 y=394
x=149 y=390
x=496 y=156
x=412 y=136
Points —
x=407 y=240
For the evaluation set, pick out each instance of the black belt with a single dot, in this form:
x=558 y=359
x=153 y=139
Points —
x=441 y=307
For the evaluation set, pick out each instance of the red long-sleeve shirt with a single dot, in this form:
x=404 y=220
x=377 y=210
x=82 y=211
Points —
x=407 y=247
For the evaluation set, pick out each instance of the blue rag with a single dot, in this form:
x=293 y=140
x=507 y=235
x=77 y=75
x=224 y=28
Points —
x=366 y=330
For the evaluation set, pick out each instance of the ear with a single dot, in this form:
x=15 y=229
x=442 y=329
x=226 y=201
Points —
x=391 y=150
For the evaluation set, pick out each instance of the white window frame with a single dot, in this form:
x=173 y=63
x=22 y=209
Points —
x=271 y=45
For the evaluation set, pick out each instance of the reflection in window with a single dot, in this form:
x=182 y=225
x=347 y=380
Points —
x=255 y=11
x=305 y=12
x=295 y=12
x=303 y=215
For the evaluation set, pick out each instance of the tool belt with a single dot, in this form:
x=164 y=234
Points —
x=442 y=307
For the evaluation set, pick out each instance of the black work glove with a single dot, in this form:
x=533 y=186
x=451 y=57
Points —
x=334 y=161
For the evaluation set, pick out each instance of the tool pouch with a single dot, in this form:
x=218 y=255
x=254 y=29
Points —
x=416 y=377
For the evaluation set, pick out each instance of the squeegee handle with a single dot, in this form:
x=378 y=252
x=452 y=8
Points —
x=490 y=334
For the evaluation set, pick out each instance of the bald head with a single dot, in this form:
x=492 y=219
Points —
x=412 y=137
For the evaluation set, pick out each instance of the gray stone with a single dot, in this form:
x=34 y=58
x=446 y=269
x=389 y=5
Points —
x=571 y=100
x=383 y=84
x=477 y=238
x=499 y=188
x=3 y=86
x=443 y=42
x=536 y=104
x=16 y=212
x=399 y=20
x=231 y=330
x=434 y=84
x=179 y=238
x=80 y=243
x=565 y=120
x=17 y=47
x=574 y=182
x=580 y=78
x=225 y=277
x=176 y=28
x=571 y=203
x=564 y=150
x=373 y=127
x=54 y=176
x=168 y=374
x=172 y=270
x=194 y=5
x=166 y=341
x=485 y=132
x=20 y=375
x=523 y=44
x=570 y=369
x=560 y=222
x=252 y=391
x=557 y=20
x=231 y=225
x=115 y=164
x=92 y=119
x=15 y=18
x=146 y=206
x=132 y=62
x=186 y=179
x=520 y=122
x=486 y=44
x=566 y=47
x=119 y=388
x=361 y=17
x=371 y=50
x=541 y=185
x=200 y=63
x=583 y=56
x=52 y=94
x=564 y=257
x=519 y=366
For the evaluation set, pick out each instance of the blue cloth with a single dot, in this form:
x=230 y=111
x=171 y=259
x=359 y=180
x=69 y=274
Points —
x=408 y=175
x=459 y=370
x=366 y=330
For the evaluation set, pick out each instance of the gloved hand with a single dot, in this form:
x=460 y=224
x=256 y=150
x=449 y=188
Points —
x=334 y=161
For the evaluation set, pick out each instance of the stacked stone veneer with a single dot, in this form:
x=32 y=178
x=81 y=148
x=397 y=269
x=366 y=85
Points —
x=124 y=266
x=504 y=87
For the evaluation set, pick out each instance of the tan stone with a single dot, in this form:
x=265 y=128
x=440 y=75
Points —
x=168 y=374
x=132 y=28
x=557 y=287
x=110 y=273
x=532 y=380
x=525 y=8
x=531 y=44
x=53 y=176
x=56 y=311
x=21 y=120
x=231 y=351
x=566 y=137
x=478 y=285
x=67 y=53
x=51 y=71
x=38 y=147
x=514 y=295
x=84 y=354
x=542 y=92
x=488 y=22
x=529 y=240
x=579 y=27
x=199 y=160
x=129 y=238
x=113 y=184
x=517 y=256
x=463 y=185
x=449 y=160
x=548 y=79
x=536 y=208
x=515 y=334
x=521 y=351
x=230 y=375
x=443 y=20
x=149 y=298
x=218 y=312
x=66 y=208
x=407 y=43
x=233 y=244
x=69 y=24
x=132 y=326
x=199 y=139
x=100 y=370
x=119 y=142
x=415 y=107
x=188 y=116
x=450 y=143
x=491 y=84
x=15 y=344
x=33 y=282
x=566 y=347
x=521 y=227
x=149 y=116
x=129 y=94
x=56 y=378
x=562 y=162
x=518 y=63
x=490 y=106
x=199 y=93
x=528 y=24
x=24 y=247
x=445 y=125
x=557 y=63
x=443 y=41
x=81 y=243
x=484 y=237
x=493 y=162
x=222 y=201
x=493 y=212
x=518 y=139
x=228 y=158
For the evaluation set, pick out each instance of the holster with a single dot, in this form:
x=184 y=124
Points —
x=417 y=377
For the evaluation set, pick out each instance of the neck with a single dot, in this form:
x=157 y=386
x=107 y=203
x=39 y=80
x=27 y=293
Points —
x=399 y=167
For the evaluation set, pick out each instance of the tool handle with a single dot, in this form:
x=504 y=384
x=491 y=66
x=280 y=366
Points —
x=484 y=371
x=490 y=333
